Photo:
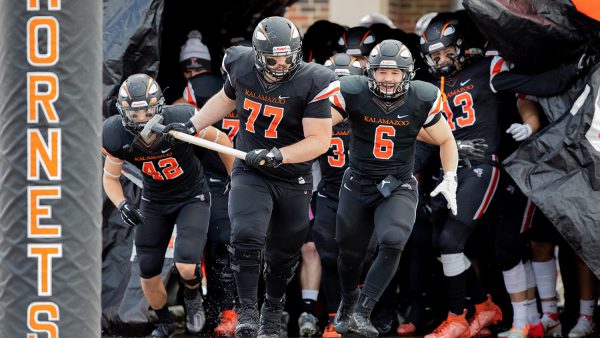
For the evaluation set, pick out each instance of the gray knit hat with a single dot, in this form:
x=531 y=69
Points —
x=194 y=54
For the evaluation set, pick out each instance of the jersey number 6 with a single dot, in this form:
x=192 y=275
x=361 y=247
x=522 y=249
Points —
x=383 y=148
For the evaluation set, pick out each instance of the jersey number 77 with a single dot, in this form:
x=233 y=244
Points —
x=255 y=108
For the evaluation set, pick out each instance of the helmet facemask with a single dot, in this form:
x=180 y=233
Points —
x=392 y=90
x=447 y=68
x=266 y=61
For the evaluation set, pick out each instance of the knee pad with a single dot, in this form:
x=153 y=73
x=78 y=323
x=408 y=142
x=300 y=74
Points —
x=283 y=271
x=150 y=266
x=194 y=281
x=245 y=260
x=221 y=264
x=454 y=264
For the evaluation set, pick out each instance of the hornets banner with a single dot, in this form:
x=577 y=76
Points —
x=50 y=108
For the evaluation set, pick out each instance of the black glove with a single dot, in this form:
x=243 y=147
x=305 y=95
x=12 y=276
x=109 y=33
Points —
x=264 y=158
x=471 y=148
x=130 y=214
x=186 y=128
x=586 y=62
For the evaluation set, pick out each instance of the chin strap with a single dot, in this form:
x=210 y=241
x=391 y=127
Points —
x=442 y=83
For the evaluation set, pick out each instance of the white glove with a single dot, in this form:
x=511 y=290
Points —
x=448 y=189
x=519 y=131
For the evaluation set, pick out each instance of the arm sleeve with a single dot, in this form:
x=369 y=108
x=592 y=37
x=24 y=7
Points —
x=319 y=105
x=548 y=83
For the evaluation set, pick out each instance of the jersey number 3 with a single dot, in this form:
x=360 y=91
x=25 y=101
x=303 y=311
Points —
x=467 y=118
x=170 y=169
x=338 y=160
x=255 y=109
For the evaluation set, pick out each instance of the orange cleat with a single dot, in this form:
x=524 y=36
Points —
x=486 y=313
x=455 y=326
x=226 y=327
x=536 y=331
x=406 y=329
x=329 y=332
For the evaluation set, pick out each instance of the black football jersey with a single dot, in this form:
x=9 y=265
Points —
x=171 y=173
x=471 y=106
x=335 y=161
x=198 y=90
x=384 y=132
x=271 y=115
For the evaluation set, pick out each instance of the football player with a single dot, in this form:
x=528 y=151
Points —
x=469 y=87
x=387 y=113
x=285 y=123
x=175 y=192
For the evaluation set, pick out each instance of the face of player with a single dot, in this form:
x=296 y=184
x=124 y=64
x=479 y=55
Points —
x=445 y=57
x=389 y=79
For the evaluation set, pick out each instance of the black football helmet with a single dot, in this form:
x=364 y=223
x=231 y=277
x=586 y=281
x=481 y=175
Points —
x=343 y=64
x=391 y=54
x=277 y=36
x=439 y=35
x=139 y=92
x=357 y=41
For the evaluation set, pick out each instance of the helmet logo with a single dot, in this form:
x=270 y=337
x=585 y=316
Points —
x=260 y=36
x=295 y=32
x=388 y=63
x=137 y=104
x=123 y=92
x=153 y=88
x=436 y=46
x=448 y=31
x=353 y=52
x=404 y=52
x=281 y=50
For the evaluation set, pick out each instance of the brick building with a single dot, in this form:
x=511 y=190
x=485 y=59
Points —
x=404 y=13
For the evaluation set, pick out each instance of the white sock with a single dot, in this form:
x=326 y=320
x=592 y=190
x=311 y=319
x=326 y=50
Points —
x=515 y=279
x=519 y=314
x=586 y=307
x=532 y=312
x=530 y=275
x=545 y=277
x=310 y=294
x=549 y=307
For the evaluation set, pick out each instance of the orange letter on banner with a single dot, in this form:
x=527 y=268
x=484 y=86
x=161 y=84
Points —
x=47 y=154
x=34 y=25
x=34 y=324
x=44 y=254
x=44 y=99
x=34 y=5
x=36 y=212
